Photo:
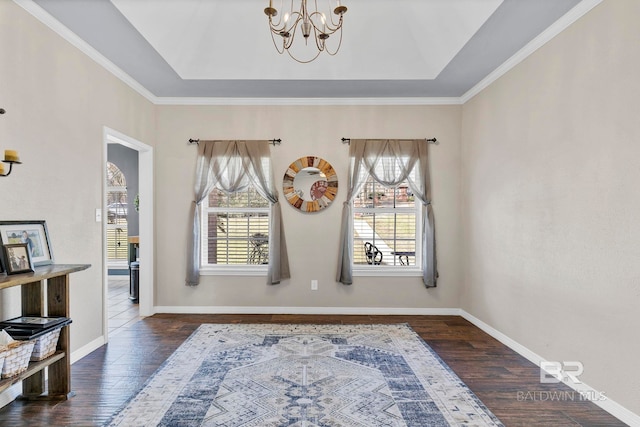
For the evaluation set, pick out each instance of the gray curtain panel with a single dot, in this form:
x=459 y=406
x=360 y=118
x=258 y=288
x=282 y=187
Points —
x=231 y=166
x=389 y=162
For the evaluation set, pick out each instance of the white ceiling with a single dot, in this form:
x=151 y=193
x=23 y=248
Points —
x=204 y=39
x=222 y=49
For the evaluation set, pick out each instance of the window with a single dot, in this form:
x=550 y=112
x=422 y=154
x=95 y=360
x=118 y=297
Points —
x=232 y=228
x=235 y=229
x=388 y=219
x=389 y=204
x=117 y=234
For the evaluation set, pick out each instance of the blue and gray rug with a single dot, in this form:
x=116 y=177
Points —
x=267 y=375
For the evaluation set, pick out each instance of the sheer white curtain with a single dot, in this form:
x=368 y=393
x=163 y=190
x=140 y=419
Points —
x=389 y=162
x=231 y=166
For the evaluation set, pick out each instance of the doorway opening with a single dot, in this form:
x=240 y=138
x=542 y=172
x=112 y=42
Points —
x=127 y=231
x=122 y=237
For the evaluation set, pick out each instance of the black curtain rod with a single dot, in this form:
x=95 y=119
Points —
x=274 y=142
x=429 y=140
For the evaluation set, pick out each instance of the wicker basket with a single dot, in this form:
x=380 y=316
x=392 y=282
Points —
x=45 y=345
x=16 y=358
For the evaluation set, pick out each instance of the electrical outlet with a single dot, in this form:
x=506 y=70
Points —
x=314 y=285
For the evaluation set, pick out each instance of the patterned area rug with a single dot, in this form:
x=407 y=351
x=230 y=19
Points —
x=267 y=375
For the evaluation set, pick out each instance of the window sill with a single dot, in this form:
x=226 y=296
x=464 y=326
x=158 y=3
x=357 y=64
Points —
x=243 y=270
x=383 y=271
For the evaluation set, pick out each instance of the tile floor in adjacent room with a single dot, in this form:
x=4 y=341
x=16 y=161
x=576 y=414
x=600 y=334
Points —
x=122 y=311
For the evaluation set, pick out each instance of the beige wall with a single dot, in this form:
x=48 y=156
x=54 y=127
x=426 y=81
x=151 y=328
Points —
x=544 y=187
x=57 y=102
x=312 y=239
x=551 y=201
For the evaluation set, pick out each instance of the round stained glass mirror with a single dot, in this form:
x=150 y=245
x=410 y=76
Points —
x=310 y=184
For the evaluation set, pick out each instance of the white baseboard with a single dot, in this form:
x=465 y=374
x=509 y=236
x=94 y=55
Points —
x=612 y=407
x=607 y=404
x=85 y=350
x=310 y=310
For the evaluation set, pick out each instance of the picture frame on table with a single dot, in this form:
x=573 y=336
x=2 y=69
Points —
x=34 y=234
x=17 y=258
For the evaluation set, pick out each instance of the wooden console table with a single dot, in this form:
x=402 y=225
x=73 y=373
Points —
x=56 y=302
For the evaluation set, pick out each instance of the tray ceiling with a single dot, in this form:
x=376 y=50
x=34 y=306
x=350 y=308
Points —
x=399 y=48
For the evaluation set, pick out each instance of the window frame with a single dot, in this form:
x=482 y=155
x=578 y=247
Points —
x=368 y=270
x=207 y=269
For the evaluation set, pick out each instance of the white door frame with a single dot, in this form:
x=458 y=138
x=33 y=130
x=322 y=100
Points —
x=146 y=252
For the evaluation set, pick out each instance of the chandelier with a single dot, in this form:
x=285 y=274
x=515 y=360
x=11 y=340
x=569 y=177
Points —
x=312 y=23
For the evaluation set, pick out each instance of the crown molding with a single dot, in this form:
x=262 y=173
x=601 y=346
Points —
x=55 y=25
x=547 y=35
x=43 y=16
x=307 y=101
x=556 y=28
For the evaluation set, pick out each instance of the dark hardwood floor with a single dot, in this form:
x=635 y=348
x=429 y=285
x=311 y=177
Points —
x=107 y=378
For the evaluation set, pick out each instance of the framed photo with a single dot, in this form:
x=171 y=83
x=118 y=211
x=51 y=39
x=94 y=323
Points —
x=17 y=257
x=34 y=234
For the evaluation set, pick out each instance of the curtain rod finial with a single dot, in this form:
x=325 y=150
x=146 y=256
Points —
x=194 y=141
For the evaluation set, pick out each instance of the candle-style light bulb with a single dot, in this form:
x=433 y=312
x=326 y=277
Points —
x=11 y=156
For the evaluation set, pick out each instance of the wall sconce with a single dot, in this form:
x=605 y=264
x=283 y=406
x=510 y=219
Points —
x=10 y=157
